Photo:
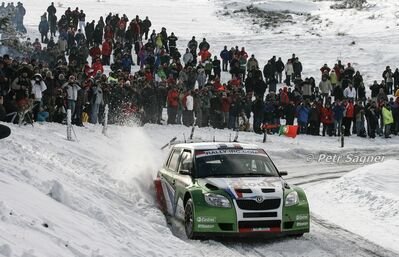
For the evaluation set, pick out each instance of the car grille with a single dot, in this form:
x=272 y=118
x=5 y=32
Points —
x=259 y=214
x=267 y=204
x=268 y=190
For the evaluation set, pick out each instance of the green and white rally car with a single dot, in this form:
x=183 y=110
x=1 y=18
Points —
x=220 y=189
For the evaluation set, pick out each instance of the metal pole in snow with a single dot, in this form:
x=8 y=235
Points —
x=264 y=135
x=105 y=127
x=69 y=125
x=342 y=136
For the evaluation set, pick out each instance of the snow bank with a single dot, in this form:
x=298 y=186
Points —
x=365 y=201
x=91 y=197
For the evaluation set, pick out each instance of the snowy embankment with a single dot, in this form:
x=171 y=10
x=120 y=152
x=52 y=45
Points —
x=86 y=198
x=365 y=201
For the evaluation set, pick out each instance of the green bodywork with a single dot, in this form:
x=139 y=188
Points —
x=207 y=218
x=213 y=220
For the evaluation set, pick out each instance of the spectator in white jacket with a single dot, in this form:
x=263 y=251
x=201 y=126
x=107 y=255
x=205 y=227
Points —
x=38 y=87
x=188 y=58
x=72 y=87
x=188 y=113
x=350 y=92
x=325 y=87
x=97 y=101
x=289 y=72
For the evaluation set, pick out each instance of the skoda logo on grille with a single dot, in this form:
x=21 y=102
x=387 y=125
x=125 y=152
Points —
x=259 y=199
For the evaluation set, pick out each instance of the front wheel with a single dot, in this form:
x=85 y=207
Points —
x=189 y=219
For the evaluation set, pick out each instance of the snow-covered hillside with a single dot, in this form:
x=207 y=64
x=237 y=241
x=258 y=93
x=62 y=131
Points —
x=318 y=34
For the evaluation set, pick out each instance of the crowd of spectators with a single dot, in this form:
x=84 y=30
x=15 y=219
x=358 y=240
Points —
x=15 y=15
x=82 y=66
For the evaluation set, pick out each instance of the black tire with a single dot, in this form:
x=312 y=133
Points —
x=189 y=219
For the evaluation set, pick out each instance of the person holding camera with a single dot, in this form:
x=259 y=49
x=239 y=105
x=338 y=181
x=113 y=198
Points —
x=38 y=87
x=72 y=87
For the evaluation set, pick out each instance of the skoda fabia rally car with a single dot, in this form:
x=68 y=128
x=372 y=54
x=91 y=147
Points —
x=221 y=189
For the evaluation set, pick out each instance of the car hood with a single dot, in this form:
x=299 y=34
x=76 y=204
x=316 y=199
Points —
x=246 y=187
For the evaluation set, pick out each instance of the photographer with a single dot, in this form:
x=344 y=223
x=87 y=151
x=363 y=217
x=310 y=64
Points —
x=72 y=87
x=38 y=87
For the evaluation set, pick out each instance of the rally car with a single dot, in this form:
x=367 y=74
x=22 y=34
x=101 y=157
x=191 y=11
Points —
x=229 y=189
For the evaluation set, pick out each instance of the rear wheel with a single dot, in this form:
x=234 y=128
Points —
x=189 y=219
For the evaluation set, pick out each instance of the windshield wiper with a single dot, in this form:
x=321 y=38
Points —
x=237 y=175
x=256 y=175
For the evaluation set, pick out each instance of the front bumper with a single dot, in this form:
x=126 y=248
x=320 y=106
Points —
x=235 y=222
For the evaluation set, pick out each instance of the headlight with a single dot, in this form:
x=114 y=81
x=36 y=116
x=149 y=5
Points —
x=217 y=200
x=291 y=199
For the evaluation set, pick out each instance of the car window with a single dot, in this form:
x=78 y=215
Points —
x=234 y=165
x=186 y=156
x=174 y=160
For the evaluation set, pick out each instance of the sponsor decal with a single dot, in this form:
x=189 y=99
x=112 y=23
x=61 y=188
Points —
x=206 y=226
x=271 y=230
x=241 y=183
x=302 y=217
x=228 y=151
x=302 y=224
x=206 y=219
x=261 y=229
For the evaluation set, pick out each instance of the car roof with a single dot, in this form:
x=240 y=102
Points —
x=215 y=145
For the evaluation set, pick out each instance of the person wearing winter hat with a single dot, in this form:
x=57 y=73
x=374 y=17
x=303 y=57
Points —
x=387 y=119
x=38 y=87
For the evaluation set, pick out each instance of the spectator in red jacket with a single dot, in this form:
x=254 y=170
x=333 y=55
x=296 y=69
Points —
x=243 y=53
x=348 y=118
x=95 y=52
x=325 y=69
x=218 y=86
x=88 y=71
x=284 y=99
x=97 y=67
x=226 y=101
x=327 y=119
x=106 y=52
x=173 y=102
x=108 y=33
x=205 y=54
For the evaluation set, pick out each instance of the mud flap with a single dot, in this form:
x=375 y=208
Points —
x=160 y=195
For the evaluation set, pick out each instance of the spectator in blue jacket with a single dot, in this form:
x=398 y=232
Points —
x=43 y=29
x=303 y=117
x=127 y=63
x=338 y=113
x=225 y=55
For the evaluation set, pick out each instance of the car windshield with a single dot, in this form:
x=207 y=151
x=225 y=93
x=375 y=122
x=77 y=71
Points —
x=234 y=163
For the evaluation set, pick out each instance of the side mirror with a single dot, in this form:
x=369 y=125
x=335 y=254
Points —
x=186 y=167
x=283 y=173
